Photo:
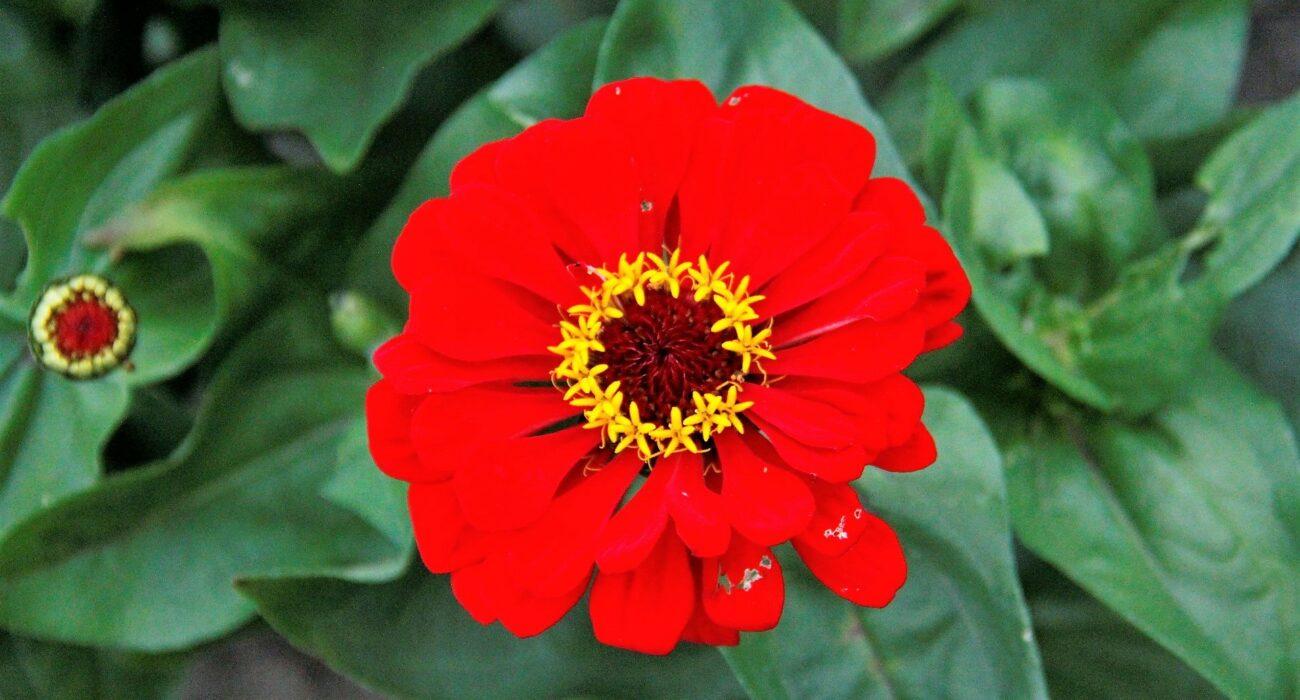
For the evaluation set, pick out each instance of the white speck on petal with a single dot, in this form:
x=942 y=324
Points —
x=839 y=532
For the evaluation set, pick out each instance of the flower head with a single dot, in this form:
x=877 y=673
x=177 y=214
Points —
x=81 y=327
x=706 y=307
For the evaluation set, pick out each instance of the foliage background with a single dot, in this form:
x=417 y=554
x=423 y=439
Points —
x=1128 y=219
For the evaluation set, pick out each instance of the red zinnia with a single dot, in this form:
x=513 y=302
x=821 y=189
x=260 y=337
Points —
x=715 y=302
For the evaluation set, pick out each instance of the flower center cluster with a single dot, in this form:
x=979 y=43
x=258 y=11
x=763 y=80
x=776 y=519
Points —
x=82 y=327
x=658 y=354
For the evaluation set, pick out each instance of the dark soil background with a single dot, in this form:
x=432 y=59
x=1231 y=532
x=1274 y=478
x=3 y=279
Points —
x=258 y=664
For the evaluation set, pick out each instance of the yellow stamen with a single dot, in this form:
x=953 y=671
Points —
x=603 y=406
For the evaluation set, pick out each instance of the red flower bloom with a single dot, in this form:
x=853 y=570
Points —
x=716 y=299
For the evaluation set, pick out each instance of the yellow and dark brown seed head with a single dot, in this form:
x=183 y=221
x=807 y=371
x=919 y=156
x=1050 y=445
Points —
x=82 y=327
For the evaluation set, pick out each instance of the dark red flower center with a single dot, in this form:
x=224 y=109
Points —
x=85 y=327
x=664 y=350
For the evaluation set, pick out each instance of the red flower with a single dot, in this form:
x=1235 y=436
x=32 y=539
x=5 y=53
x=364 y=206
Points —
x=715 y=302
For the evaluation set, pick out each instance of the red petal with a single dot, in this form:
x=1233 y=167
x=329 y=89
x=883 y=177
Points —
x=646 y=609
x=762 y=241
x=888 y=288
x=901 y=404
x=388 y=428
x=488 y=592
x=486 y=229
x=629 y=536
x=702 y=630
x=886 y=413
x=581 y=174
x=415 y=369
x=861 y=352
x=697 y=510
x=840 y=258
x=868 y=573
x=448 y=428
x=445 y=540
x=558 y=551
x=894 y=199
x=947 y=290
x=474 y=317
x=765 y=502
x=942 y=336
x=659 y=119
x=480 y=589
x=509 y=484
x=811 y=422
x=771 y=176
x=479 y=167
x=831 y=465
x=847 y=150
x=838 y=522
x=918 y=452
x=744 y=589
x=528 y=614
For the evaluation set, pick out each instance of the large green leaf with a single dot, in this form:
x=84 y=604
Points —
x=335 y=70
x=242 y=219
x=1261 y=333
x=554 y=82
x=32 y=669
x=410 y=638
x=146 y=560
x=958 y=628
x=1184 y=523
x=1169 y=66
x=1090 y=652
x=872 y=29
x=729 y=44
x=36 y=96
x=1254 y=209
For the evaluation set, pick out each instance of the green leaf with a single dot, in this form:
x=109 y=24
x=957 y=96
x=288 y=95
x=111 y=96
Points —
x=33 y=669
x=1253 y=180
x=51 y=429
x=410 y=638
x=554 y=82
x=1090 y=652
x=1169 y=66
x=1089 y=304
x=1087 y=173
x=730 y=44
x=240 y=219
x=1003 y=295
x=253 y=491
x=36 y=96
x=872 y=29
x=757 y=668
x=1183 y=524
x=335 y=70
x=958 y=628
x=1261 y=334
x=84 y=175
